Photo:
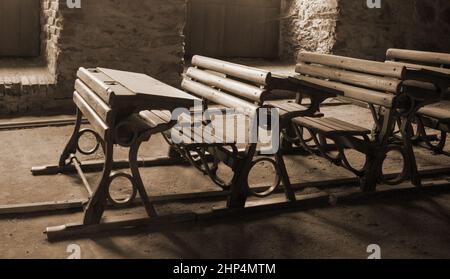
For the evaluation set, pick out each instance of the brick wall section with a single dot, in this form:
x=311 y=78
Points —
x=34 y=90
x=51 y=22
x=144 y=36
x=349 y=27
x=307 y=26
x=412 y=24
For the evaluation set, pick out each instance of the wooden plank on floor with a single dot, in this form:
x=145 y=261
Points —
x=212 y=195
x=304 y=202
x=80 y=230
x=41 y=207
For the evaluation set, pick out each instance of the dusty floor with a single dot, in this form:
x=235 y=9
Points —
x=412 y=226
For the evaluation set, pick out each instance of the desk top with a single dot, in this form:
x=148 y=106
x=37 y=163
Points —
x=120 y=89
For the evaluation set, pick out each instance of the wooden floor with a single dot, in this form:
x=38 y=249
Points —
x=406 y=225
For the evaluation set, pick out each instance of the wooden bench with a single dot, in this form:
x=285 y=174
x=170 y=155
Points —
x=432 y=117
x=111 y=101
x=394 y=90
x=126 y=109
x=247 y=91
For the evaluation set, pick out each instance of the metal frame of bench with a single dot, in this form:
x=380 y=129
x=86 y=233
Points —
x=111 y=109
x=393 y=92
x=115 y=120
x=427 y=117
x=118 y=116
x=246 y=89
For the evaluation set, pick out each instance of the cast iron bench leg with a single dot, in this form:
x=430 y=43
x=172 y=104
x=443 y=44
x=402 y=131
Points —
x=97 y=203
x=71 y=147
x=99 y=200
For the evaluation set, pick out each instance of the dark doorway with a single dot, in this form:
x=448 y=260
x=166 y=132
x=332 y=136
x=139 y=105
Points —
x=233 y=28
x=20 y=28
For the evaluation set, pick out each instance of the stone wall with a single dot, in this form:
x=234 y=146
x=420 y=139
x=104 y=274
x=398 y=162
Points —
x=355 y=30
x=144 y=36
x=307 y=26
x=412 y=24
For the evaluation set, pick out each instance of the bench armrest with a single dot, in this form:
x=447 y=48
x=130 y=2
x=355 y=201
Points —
x=440 y=80
x=314 y=90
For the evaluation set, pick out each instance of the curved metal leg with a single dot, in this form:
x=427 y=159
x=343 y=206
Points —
x=289 y=192
x=99 y=200
x=134 y=149
x=71 y=147
x=372 y=172
x=413 y=172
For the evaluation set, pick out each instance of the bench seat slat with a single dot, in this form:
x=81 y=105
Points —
x=153 y=119
x=287 y=107
x=333 y=122
x=331 y=126
x=199 y=136
x=441 y=114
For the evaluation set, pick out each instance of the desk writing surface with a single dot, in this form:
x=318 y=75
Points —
x=149 y=90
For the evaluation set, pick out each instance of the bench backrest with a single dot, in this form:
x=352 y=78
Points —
x=227 y=84
x=367 y=81
x=433 y=61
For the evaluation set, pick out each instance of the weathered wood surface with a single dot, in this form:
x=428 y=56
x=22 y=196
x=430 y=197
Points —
x=218 y=97
x=439 y=113
x=120 y=89
x=353 y=64
x=94 y=119
x=354 y=92
x=415 y=56
x=358 y=79
x=238 y=88
x=331 y=126
x=249 y=74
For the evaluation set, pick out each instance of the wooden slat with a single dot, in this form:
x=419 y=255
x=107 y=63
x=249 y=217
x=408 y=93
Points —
x=217 y=96
x=287 y=106
x=95 y=120
x=250 y=74
x=344 y=126
x=331 y=126
x=353 y=64
x=153 y=119
x=352 y=92
x=94 y=101
x=310 y=123
x=238 y=88
x=418 y=66
x=419 y=56
x=354 y=78
x=439 y=113
x=97 y=81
